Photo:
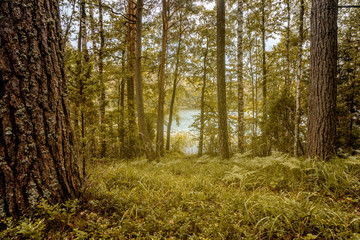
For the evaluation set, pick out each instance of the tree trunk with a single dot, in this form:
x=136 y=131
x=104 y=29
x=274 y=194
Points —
x=264 y=70
x=83 y=76
x=121 y=126
x=202 y=102
x=287 y=76
x=241 y=130
x=161 y=83
x=322 y=86
x=150 y=154
x=131 y=151
x=298 y=80
x=101 y=83
x=93 y=36
x=221 y=83
x=175 y=83
x=36 y=145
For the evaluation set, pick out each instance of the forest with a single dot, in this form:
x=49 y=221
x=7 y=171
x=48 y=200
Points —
x=180 y=119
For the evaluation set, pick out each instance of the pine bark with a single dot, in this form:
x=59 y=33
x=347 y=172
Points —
x=148 y=148
x=221 y=83
x=36 y=145
x=322 y=86
x=161 y=83
x=241 y=130
x=298 y=79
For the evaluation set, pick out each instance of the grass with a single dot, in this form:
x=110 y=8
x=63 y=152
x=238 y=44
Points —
x=277 y=197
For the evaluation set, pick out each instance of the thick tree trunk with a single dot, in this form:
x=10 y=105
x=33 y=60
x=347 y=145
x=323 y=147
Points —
x=161 y=83
x=322 y=86
x=150 y=154
x=221 y=84
x=175 y=83
x=36 y=152
x=202 y=101
x=131 y=35
x=102 y=83
x=241 y=130
x=298 y=79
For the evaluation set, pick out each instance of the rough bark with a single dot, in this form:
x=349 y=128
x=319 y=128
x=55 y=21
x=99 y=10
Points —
x=36 y=145
x=322 y=86
x=131 y=35
x=298 y=78
x=202 y=101
x=221 y=84
x=241 y=130
x=161 y=82
x=175 y=84
x=148 y=148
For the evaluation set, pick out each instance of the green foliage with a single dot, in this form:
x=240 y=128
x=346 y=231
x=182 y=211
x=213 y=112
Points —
x=276 y=197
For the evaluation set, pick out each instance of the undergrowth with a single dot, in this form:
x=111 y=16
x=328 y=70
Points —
x=276 y=197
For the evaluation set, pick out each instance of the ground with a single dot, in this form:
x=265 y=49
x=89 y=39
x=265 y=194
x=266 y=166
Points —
x=277 y=197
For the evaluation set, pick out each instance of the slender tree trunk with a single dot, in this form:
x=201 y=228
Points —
x=84 y=76
x=241 y=130
x=150 y=154
x=101 y=82
x=265 y=150
x=92 y=25
x=221 y=84
x=252 y=90
x=351 y=110
x=256 y=99
x=264 y=70
x=36 y=141
x=121 y=128
x=322 y=86
x=175 y=83
x=161 y=83
x=298 y=82
x=287 y=76
x=202 y=102
x=130 y=80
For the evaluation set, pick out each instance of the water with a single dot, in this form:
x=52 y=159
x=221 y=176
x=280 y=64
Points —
x=187 y=117
x=183 y=134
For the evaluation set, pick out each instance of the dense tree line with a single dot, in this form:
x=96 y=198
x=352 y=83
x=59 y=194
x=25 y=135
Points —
x=268 y=76
x=266 y=45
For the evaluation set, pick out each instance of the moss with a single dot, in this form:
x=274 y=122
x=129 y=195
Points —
x=8 y=131
x=2 y=208
x=33 y=194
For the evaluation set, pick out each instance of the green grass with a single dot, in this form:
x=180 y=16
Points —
x=277 y=197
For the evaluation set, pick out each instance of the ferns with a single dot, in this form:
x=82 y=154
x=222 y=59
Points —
x=277 y=197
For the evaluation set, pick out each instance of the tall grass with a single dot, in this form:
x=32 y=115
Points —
x=277 y=197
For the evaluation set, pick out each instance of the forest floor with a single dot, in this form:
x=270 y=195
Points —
x=277 y=197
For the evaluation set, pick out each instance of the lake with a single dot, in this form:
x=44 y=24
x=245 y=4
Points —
x=187 y=117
